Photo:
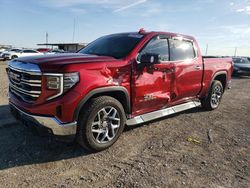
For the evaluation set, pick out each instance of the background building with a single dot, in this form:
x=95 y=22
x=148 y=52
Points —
x=69 y=47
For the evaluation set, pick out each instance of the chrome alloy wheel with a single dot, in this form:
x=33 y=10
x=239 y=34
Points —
x=216 y=96
x=105 y=125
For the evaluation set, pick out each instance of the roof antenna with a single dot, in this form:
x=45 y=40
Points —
x=74 y=28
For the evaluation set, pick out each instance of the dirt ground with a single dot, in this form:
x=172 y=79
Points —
x=156 y=154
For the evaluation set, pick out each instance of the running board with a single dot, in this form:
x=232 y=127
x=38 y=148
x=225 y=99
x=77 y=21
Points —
x=162 y=113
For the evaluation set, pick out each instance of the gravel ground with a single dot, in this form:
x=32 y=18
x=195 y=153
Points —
x=3 y=83
x=156 y=154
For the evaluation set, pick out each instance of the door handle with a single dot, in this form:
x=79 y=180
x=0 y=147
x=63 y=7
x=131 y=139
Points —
x=197 y=67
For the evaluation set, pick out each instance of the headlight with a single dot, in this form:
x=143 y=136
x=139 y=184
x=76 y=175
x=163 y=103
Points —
x=53 y=82
x=69 y=80
x=60 y=83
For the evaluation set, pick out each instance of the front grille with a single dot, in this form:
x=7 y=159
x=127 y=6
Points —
x=25 y=85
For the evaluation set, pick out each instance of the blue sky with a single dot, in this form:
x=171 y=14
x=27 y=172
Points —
x=223 y=25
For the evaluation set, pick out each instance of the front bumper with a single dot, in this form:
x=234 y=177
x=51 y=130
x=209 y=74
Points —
x=6 y=56
x=58 y=128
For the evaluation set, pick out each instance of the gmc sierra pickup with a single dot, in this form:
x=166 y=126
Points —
x=126 y=78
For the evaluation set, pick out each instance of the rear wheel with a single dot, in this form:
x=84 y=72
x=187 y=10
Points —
x=101 y=123
x=212 y=101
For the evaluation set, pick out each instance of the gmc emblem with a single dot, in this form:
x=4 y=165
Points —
x=14 y=77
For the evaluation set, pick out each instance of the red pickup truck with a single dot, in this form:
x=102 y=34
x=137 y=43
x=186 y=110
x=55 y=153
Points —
x=126 y=78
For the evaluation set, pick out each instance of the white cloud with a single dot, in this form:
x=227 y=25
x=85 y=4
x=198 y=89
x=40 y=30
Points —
x=243 y=30
x=248 y=9
x=130 y=5
x=114 y=5
x=240 y=10
x=71 y=3
x=245 y=9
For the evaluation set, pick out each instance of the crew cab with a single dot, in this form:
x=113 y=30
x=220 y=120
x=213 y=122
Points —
x=117 y=80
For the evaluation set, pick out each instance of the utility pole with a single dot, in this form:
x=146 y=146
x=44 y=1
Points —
x=74 y=28
x=235 y=51
x=206 y=48
x=47 y=39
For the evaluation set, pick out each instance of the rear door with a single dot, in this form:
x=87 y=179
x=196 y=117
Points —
x=151 y=85
x=188 y=69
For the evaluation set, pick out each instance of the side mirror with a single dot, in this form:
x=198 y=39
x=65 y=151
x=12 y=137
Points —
x=149 y=59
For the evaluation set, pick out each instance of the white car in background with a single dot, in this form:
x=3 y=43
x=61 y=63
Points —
x=22 y=53
x=2 y=55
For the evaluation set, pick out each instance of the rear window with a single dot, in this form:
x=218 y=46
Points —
x=181 y=50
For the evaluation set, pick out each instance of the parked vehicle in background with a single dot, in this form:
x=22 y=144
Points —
x=43 y=50
x=4 y=54
x=55 y=51
x=4 y=49
x=126 y=78
x=241 y=66
x=21 y=53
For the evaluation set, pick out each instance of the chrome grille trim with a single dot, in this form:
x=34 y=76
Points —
x=30 y=84
x=25 y=91
x=16 y=90
x=25 y=80
x=32 y=81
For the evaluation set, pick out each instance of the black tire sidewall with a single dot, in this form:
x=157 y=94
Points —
x=86 y=123
x=209 y=99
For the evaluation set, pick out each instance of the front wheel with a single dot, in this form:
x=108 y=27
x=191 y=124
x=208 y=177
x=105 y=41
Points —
x=101 y=123
x=14 y=57
x=213 y=99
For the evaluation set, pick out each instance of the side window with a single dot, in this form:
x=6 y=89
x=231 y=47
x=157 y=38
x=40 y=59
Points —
x=181 y=50
x=158 y=46
x=29 y=51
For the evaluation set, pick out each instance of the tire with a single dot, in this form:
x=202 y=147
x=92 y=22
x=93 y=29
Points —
x=100 y=123
x=213 y=99
x=14 y=57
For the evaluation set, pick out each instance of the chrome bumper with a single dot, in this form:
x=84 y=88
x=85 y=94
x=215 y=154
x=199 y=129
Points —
x=58 y=128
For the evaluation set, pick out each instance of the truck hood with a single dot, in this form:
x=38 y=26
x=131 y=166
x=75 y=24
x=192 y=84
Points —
x=64 y=59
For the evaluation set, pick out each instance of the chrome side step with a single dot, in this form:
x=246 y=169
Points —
x=163 y=112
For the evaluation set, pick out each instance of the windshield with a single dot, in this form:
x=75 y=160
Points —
x=15 y=50
x=241 y=60
x=117 y=46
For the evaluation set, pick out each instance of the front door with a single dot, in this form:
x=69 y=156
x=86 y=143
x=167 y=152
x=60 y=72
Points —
x=151 y=85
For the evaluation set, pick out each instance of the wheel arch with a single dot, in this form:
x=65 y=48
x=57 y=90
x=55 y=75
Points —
x=222 y=77
x=14 y=56
x=118 y=92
